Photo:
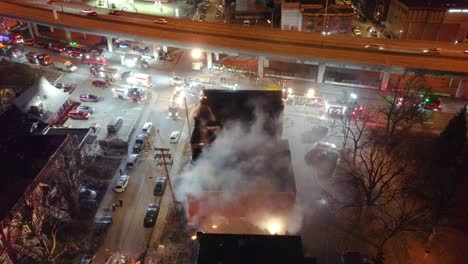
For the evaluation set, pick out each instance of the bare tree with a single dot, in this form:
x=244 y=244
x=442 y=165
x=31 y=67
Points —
x=355 y=133
x=43 y=217
x=376 y=174
x=69 y=172
x=402 y=106
x=391 y=222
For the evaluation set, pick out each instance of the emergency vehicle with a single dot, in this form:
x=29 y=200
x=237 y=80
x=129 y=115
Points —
x=94 y=59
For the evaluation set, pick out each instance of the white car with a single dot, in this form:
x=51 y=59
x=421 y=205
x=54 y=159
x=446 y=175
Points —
x=176 y=80
x=325 y=146
x=122 y=183
x=175 y=135
x=147 y=127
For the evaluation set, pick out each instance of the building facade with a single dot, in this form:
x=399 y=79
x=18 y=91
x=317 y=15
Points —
x=317 y=16
x=420 y=20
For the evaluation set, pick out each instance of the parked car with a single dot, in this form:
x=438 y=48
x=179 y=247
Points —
x=87 y=194
x=67 y=87
x=89 y=98
x=160 y=186
x=100 y=84
x=324 y=157
x=88 y=204
x=92 y=14
x=174 y=138
x=57 y=47
x=76 y=114
x=85 y=108
x=147 y=127
x=40 y=44
x=176 y=80
x=123 y=45
x=29 y=42
x=151 y=215
x=115 y=13
x=122 y=183
x=103 y=222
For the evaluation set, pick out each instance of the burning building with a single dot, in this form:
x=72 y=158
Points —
x=242 y=170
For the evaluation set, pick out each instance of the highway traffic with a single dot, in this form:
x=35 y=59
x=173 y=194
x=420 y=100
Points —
x=251 y=41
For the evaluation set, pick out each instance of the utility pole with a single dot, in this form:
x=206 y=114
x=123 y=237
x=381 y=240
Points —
x=188 y=122
x=164 y=153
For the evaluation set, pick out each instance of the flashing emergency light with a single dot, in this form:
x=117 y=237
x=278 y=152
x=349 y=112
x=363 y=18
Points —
x=73 y=43
x=427 y=100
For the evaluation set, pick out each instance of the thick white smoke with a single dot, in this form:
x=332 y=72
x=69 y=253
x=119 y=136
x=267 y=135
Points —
x=228 y=164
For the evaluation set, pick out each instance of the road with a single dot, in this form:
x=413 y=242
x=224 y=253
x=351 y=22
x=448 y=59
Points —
x=252 y=41
x=127 y=233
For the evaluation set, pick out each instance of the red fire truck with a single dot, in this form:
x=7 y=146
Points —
x=94 y=59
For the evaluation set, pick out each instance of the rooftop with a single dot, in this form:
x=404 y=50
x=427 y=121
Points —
x=229 y=248
x=223 y=106
x=16 y=123
x=82 y=135
x=236 y=159
x=23 y=157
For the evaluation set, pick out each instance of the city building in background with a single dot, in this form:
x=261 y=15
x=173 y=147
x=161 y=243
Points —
x=323 y=16
x=429 y=20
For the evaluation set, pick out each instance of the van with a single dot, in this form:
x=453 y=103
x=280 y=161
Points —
x=114 y=125
x=132 y=160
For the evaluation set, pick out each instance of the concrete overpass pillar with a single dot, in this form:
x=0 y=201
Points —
x=36 y=31
x=165 y=48
x=31 y=31
x=68 y=35
x=209 y=60
x=266 y=63
x=51 y=29
x=216 y=56
x=156 y=51
x=320 y=72
x=461 y=88
x=83 y=35
x=385 y=79
x=110 y=48
x=261 y=60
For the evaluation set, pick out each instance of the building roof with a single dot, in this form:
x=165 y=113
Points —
x=16 y=123
x=435 y=3
x=83 y=135
x=223 y=106
x=246 y=249
x=43 y=92
x=23 y=157
x=272 y=170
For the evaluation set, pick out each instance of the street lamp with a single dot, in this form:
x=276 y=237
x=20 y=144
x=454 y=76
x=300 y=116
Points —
x=353 y=96
x=196 y=54
x=310 y=93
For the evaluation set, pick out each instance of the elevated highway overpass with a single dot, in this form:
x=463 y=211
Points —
x=382 y=54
